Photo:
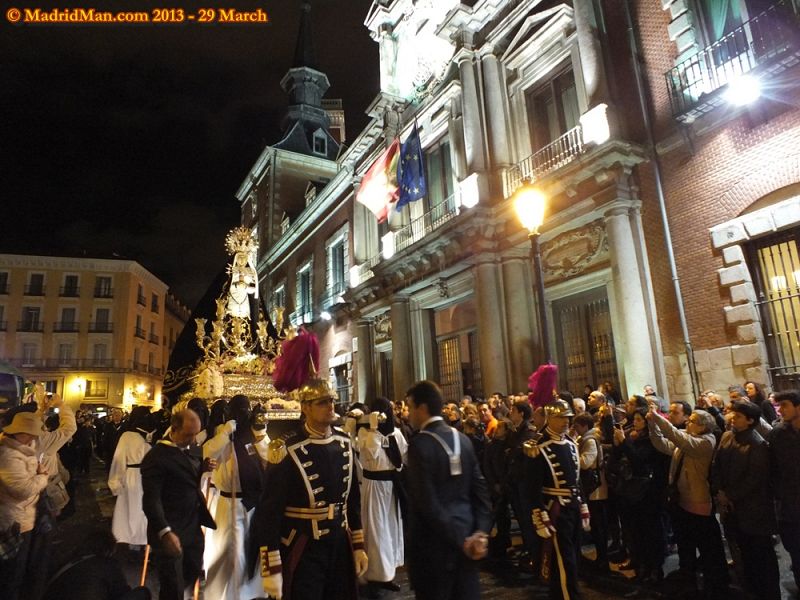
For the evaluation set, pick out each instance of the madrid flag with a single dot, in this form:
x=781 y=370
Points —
x=378 y=190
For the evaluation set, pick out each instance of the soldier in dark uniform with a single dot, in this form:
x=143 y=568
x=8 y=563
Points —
x=307 y=526
x=552 y=478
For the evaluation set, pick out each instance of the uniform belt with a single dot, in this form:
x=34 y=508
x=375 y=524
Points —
x=379 y=475
x=322 y=513
x=230 y=494
x=566 y=492
x=134 y=465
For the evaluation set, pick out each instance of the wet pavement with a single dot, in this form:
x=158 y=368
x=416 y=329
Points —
x=500 y=580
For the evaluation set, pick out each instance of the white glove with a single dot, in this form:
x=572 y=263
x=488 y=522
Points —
x=541 y=521
x=361 y=562
x=231 y=425
x=373 y=420
x=350 y=426
x=273 y=585
x=585 y=517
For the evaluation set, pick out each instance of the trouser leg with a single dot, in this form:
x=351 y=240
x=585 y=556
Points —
x=687 y=547
x=760 y=566
x=790 y=538
x=708 y=539
x=598 y=521
x=566 y=547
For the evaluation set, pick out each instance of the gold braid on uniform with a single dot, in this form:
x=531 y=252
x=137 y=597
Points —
x=270 y=561
x=358 y=539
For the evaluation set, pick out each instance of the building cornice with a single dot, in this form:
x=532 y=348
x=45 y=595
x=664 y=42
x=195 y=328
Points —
x=97 y=265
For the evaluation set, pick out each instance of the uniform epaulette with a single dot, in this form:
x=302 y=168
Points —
x=531 y=448
x=276 y=451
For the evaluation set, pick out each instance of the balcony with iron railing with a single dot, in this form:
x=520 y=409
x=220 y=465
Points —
x=66 y=326
x=153 y=338
x=334 y=295
x=69 y=291
x=32 y=326
x=765 y=45
x=555 y=155
x=397 y=241
x=101 y=327
x=97 y=364
x=141 y=300
x=101 y=292
x=139 y=332
x=302 y=316
x=34 y=290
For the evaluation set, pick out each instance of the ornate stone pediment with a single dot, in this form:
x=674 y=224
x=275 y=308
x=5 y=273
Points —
x=574 y=252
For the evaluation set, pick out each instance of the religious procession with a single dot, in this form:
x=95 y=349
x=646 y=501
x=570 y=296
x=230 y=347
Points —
x=258 y=483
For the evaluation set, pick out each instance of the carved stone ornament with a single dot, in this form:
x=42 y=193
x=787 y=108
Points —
x=574 y=252
x=441 y=286
x=383 y=328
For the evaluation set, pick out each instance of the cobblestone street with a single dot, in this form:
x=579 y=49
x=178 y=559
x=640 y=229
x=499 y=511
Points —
x=500 y=581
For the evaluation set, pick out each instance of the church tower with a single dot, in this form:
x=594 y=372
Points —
x=306 y=126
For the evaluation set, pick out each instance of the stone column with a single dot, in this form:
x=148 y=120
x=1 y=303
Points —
x=402 y=349
x=471 y=113
x=497 y=111
x=635 y=353
x=491 y=326
x=423 y=338
x=455 y=129
x=365 y=361
x=522 y=328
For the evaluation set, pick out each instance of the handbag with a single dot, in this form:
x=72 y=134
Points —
x=10 y=542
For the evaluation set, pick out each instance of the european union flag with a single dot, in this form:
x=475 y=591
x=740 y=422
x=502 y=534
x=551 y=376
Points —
x=411 y=170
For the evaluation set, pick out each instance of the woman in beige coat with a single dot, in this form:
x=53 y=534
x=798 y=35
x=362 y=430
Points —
x=22 y=479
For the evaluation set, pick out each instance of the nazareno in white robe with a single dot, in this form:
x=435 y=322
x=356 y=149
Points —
x=380 y=512
x=129 y=525
x=224 y=558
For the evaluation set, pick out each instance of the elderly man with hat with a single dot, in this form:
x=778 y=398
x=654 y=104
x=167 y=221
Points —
x=307 y=526
x=559 y=511
x=22 y=479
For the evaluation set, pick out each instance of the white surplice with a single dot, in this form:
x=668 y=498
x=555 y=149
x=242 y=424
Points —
x=129 y=525
x=225 y=561
x=380 y=513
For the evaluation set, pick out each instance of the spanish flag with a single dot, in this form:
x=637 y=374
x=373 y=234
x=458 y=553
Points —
x=379 y=189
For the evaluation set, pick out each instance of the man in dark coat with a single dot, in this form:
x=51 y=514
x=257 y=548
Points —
x=449 y=509
x=740 y=481
x=174 y=507
x=784 y=445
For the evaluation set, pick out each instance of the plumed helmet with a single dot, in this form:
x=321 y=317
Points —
x=315 y=389
x=558 y=408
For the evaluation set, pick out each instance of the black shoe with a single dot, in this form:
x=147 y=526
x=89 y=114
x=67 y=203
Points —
x=373 y=590
x=391 y=586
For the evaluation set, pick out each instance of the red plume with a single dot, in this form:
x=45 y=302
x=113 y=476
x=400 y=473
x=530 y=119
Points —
x=298 y=360
x=543 y=384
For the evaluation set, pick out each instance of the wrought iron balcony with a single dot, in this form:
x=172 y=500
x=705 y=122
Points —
x=139 y=332
x=100 y=327
x=69 y=291
x=154 y=339
x=553 y=156
x=767 y=44
x=66 y=326
x=34 y=290
x=3 y=289
x=36 y=326
x=100 y=292
x=411 y=233
x=334 y=295
x=140 y=299
x=303 y=315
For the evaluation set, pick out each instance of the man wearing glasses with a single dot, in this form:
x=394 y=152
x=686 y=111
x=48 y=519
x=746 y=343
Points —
x=307 y=526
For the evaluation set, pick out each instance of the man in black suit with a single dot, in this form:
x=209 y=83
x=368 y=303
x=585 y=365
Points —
x=449 y=509
x=174 y=507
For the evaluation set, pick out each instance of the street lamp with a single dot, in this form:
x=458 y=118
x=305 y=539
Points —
x=529 y=202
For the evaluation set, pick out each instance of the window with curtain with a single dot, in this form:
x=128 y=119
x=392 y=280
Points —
x=439 y=175
x=553 y=109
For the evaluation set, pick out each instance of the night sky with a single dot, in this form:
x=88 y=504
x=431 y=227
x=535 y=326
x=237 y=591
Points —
x=131 y=140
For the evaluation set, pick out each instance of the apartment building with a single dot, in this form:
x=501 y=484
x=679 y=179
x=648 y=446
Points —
x=92 y=329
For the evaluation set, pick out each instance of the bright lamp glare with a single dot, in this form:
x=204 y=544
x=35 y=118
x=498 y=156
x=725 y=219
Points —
x=529 y=203
x=743 y=90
